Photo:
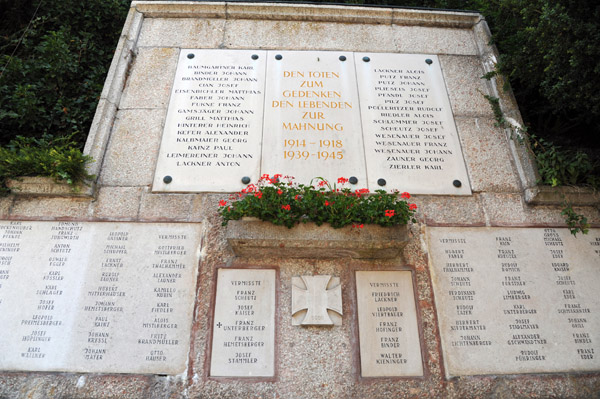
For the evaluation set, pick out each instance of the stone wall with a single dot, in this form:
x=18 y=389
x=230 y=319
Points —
x=309 y=361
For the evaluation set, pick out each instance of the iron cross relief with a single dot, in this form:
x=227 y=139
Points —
x=315 y=295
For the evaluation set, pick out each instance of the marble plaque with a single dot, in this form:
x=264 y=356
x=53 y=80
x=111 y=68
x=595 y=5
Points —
x=243 y=343
x=387 y=324
x=97 y=297
x=409 y=133
x=516 y=300
x=213 y=129
x=312 y=125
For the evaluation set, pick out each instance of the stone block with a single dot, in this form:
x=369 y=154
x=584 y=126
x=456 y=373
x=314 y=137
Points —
x=463 y=211
x=547 y=195
x=98 y=137
x=118 y=203
x=511 y=209
x=133 y=149
x=181 y=32
x=5 y=205
x=296 y=35
x=149 y=84
x=183 y=9
x=165 y=206
x=448 y=19
x=430 y=40
x=465 y=86
x=305 y=12
x=28 y=207
x=487 y=156
x=48 y=187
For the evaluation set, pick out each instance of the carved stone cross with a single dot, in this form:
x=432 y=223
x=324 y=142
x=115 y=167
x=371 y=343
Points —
x=312 y=297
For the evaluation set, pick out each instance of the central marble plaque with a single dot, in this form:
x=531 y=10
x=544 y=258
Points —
x=97 y=297
x=309 y=114
x=243 y=343
x=312 y=128
x=516 y=300
x=387 y=324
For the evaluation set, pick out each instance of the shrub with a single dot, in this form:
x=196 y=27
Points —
x=46 y=156
x=52 y=83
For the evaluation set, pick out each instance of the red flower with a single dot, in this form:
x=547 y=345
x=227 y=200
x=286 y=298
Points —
x=389 y=212
x=279 y=192
x=361 y=191
x=250 y=189
x=286 y=207
x=358 y=226
x=297 y=197
x=258 y=194
x=327 y=203
x=222 y=203
x=322 y=183
x=342 y=180
x=405 y=195
x=276 y=178
x=412 y=207
x=265 y=177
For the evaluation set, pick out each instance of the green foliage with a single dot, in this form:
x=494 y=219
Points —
x=47 y=156
x=287 y=204
x=52 y=83
x=560 y=167
x=556 y=167
x=577 y=223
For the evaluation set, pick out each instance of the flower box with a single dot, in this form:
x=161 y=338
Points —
x=250 y=237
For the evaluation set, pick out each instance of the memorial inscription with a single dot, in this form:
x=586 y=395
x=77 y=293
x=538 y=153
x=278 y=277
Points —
x=525 y=296
x=243 y=342
x=387 y=324
x=408 y=127
x=313 y=123
x=213 y=129
x=73 y=301
x=307 y=114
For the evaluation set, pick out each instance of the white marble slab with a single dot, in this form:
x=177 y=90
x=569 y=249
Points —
x=312 y=120
x=97 y=297
x=243 y=342
x=408 y=128
x=516 y=300
x=213 y=129
x=387 y=324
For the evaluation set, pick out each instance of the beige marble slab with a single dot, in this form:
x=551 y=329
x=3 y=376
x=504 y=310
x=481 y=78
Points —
x=387 y=324
x=243 y=343
x=213 y=129
x=97 y=297
x=312 y=124
x=409 y=133
x=516 y=300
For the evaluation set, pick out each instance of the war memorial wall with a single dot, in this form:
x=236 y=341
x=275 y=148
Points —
x=131 y=288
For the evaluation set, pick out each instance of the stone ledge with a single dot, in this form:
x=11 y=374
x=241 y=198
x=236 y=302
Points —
x=253 y=237
x=307 y=12
x=546 y=195
x=47 y=187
